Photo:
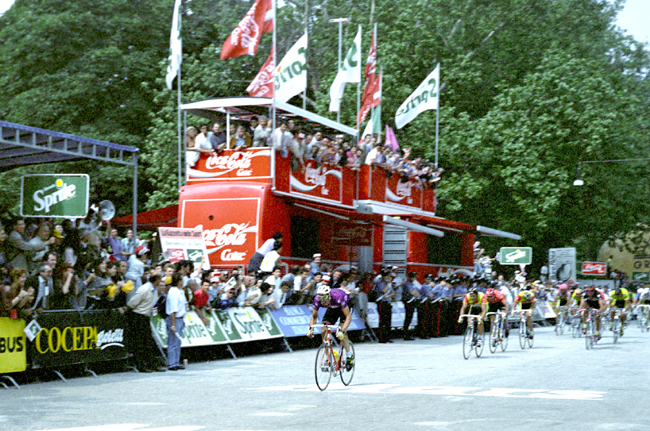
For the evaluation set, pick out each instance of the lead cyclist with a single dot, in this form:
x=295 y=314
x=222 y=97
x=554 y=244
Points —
x=336 y=302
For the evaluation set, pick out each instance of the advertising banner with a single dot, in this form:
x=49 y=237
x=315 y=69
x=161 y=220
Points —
x=515 y=255
x=397 y=319
x=349 y=233
x=68 y=337
x=562 y=264
x=594 y=268
x=323 y=182
x=195 y=333
x=230 y=235
x=13 y=345
x=184 y=244
x=54 y=195
x=253 y=164
x=407 y=193
x=293 y=320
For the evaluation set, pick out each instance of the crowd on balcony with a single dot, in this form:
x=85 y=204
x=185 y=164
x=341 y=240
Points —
x=303 y=145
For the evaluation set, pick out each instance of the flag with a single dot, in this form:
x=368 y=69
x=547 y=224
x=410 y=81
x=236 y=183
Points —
x=262 y=85
x=368 y=100
x=369 y=130
x=376 y=106
x=291 y=73
x=425 y=97
x=245 y=38
x=175 y=46
x=350 y=71
x=391 y=139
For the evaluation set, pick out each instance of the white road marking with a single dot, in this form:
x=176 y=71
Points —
x=449 y=391
x=129 y=427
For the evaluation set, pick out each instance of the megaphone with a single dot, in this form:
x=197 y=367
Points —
x=107 y=210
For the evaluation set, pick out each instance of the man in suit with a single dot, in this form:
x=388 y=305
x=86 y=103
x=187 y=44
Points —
x=18 y=249
x=42 y=284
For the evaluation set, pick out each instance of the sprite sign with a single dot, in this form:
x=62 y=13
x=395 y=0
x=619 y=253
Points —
x=516 y=255
x=54 y=195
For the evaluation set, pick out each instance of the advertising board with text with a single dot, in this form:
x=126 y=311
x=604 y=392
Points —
x=516 y=255
x=230 y=227
x=562 y=264
x=318 y=181
x=13 y=345
x=64 y=195
x=253 y=164
x=594 y=268
x=184 y=244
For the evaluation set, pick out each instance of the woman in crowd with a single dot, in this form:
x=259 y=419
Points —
x=98 y=280
x=15 y=298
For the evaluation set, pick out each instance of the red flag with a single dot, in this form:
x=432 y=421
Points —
x=245 y=38
x=262 y=85
x=368 y=100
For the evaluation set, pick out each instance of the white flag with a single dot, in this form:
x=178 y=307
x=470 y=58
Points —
x=291 y=73
x=350 y=71
x=175 y=46
x=422 y=99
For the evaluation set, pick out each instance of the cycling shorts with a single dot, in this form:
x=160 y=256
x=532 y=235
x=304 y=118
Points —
x=592 y=304
x=495 y=306
x=562 y=302
x=332 y=315
x=618 y=303
x=526 y=306
x=474 y=310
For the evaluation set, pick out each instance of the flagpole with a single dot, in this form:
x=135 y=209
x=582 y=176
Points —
x=275 y=65
x=180 y=127
x=437 y=121
x=359 y=94
x=304 y=93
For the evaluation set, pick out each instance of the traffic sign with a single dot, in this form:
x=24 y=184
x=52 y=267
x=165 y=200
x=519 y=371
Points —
x=594 y=268
x=516 y=255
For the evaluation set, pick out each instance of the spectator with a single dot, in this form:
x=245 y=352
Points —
x=252 y=294
x=201 y=140
x=227 y=299
x=272 y=259
x=42 y=242
x=266 y=299
x=128 y=245
x=282 y=140
x=290 y=277
x=300 y=288
x=142 y=344
x=280 y=296
x=262 y=135
x=297 y=149
x=252 y=125
x=43 y=287
x=63 y=280
x=89 y=222
x=19 y=250
x=97 y=282
x=385 y=293
x=217 y=138
x=275 y=278
x=114 y=244
x=241 y=141
x=136 y=267
x=201 y=301
x=3 y=256
x=176 y=308
x=258 y=256
x=315 y=264
x=16 y=298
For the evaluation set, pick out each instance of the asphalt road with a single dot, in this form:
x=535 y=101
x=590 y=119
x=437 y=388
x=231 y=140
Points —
x=407 y=385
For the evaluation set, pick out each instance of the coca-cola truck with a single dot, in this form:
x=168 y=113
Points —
x=359 y=216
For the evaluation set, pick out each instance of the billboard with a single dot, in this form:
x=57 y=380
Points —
x=49 y=195
x=562 y=264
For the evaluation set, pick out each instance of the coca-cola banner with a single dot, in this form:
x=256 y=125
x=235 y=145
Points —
x=251 y=165
x=594 y=268
x=229 y=227
x=350 y=233
x=403 y=192
x=323 y=182
x=183 y=244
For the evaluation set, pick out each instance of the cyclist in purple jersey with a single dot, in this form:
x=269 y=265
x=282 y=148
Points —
x=336 y=302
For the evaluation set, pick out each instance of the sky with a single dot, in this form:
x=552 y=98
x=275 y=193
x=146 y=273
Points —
x=635 y=18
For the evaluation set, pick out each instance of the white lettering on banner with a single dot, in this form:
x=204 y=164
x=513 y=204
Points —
x=44 y=202
x=224 y=236
x=596 y=267
x=247 y=30
x=110 y=338
x=315 y=176
x=404 y=189
x=450 y=390
x=231 y=256
x=238 y=160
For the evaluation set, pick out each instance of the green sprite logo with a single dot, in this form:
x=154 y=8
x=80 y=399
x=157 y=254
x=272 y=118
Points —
x=45 y=198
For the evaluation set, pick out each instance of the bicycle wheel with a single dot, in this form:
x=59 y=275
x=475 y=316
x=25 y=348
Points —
x=347 y=371
x=478 y=350
x=468 y=340
x=494 y=336
x=522 y=334
x=529 y=340
x=589 y=336
x=575 y=327
x=502 y=336
x=323 y=367
x=615 y=329
x=562 y=322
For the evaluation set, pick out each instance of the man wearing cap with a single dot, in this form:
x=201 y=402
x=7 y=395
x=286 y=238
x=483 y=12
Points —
x=315 y=264
x=142 y=345
x=176 y=309
x=385 y=294
x=411 y=299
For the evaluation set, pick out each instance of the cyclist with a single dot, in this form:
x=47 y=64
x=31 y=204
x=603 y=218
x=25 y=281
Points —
x=642 y=296
x=527 y=300
x=495 y=301
x=336 y=302
x=562 y=294
x=593 y=298
x=474 y=301
x=619 y=298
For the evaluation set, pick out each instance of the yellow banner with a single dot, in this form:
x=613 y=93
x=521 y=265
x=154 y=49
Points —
x=13 y=346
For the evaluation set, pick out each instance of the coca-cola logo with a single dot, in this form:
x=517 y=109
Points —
x=404 y=189
x=229 y=234
x=247 y=30
x=236 y=160
x=315 y=176
x=593 y=267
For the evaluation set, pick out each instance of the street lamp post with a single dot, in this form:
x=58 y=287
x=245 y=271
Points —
x=580 y=182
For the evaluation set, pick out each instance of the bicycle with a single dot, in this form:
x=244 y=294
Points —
x=330 y=361
x=525 y=335
x=498 y=332
x=616 y=325
x=590 y=330
x=472 y=340
x=560 y=320
x=576 y=324
x=643 y=317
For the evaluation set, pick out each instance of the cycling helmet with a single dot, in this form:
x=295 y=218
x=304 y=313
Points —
x=490 y=292
x=528 y=296
x=563 y=286
x=323 y=290
x=474 y=291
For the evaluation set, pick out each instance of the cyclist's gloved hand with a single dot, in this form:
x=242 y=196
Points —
x=310 y=332
x=339 y=333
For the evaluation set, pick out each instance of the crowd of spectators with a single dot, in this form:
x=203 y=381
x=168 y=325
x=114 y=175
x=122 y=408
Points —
x=304 y=145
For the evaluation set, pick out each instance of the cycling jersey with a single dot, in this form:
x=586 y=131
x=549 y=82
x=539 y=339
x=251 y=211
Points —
x=338 y=299
x=475 y=303
x=623 y=296
x=525 y=297
x=563 y=293
x=497 y=297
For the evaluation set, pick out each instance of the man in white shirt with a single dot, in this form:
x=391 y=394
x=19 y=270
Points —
x=258 y=256
x=282 y=140
x=262 y=134
x=176 y=309
x=281 y=296
x=142 y=345
x=372 y=154
x=272 y=258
